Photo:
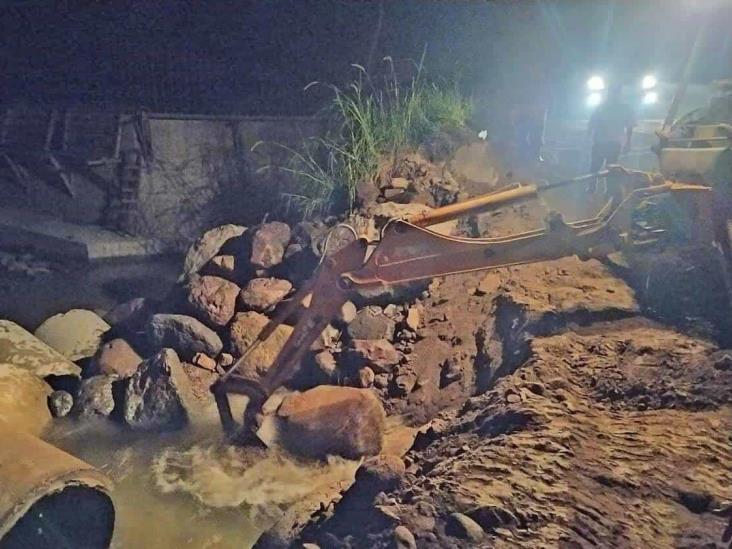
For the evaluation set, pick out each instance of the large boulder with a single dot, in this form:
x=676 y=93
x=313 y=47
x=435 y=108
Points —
x=23 y=400
x=207 y=247
x=75 y=334
x=244 y=330
x=330 y=420
x=158 y=397
x=22 y=349
x=213 y=299
x=96 y=397
x=115 y=357
x=186 y=335
x=261 y=294
x=269 y=244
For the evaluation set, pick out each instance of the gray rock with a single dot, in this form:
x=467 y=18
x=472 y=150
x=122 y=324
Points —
x=95 y=398
x=261 y=294
x=463 y=527
x=404 y=539
x=60 y=403
x=158 y=395
x=371 y=323
x=207 y=247
x=184 y=334
x=212 y=299
x=269 y=243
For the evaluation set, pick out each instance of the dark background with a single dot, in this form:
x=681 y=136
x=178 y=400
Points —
x=256 y=57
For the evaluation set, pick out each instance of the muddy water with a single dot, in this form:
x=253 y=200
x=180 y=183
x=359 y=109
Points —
x=188 y=490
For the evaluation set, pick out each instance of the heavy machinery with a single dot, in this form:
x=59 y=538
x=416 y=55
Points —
x=407 y=250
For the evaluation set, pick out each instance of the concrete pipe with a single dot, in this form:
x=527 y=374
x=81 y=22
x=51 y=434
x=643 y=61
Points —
x=50 y=499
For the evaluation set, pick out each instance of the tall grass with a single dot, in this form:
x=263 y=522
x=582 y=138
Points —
x=373 y=121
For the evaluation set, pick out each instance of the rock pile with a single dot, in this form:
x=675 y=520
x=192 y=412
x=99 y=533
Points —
x=412 y=179
x=149 y=364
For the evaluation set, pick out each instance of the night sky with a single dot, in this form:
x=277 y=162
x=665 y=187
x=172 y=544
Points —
x=256 y=57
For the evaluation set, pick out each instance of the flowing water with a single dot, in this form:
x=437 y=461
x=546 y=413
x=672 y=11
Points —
x=185 y=489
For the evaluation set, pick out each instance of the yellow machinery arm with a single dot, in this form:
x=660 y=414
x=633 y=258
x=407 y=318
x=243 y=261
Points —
x=409 y=251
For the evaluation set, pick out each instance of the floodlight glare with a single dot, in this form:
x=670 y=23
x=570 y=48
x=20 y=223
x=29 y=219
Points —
x=650 y=98
x=594 y=99
x=649 y=82
x=596 y=83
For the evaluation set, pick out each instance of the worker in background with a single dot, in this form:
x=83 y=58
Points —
x=530 y=97
x=611 y=130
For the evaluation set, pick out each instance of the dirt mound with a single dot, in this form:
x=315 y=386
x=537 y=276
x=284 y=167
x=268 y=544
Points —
x=546 y=457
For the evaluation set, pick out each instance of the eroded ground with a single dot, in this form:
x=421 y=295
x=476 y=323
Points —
x=599 y=426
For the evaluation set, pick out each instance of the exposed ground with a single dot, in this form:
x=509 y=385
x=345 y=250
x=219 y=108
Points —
x=565 y=403
x=599 y=426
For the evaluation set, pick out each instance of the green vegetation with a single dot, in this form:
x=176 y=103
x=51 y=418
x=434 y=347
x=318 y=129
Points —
x=374 y=120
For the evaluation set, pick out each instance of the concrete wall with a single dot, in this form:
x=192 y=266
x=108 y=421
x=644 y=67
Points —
x=204 y=170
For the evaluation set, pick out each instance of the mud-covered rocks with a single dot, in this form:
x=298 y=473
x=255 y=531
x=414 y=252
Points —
x=23 y=400
x=184 y=334
x=95 y=397
x=269 y=243
x=115 y=357
x=371 y=323
x=330 y=420
x=157 y=395
x=60 y=403
x=207 y=247
x=22 y=349
x=261 y=294
x=244 y=330
x=76 y=334
x=212 y=299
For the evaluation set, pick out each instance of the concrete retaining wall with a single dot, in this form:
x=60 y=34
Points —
x=202 y=170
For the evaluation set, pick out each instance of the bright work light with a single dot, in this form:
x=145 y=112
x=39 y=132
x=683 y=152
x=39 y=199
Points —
x=596 y=83
x=650 y=98
x=594 y=99
x=649 y=82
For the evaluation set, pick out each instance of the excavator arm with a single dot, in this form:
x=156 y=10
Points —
x=408 y=251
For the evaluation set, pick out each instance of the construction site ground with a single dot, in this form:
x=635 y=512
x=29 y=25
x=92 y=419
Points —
x=562 y=404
